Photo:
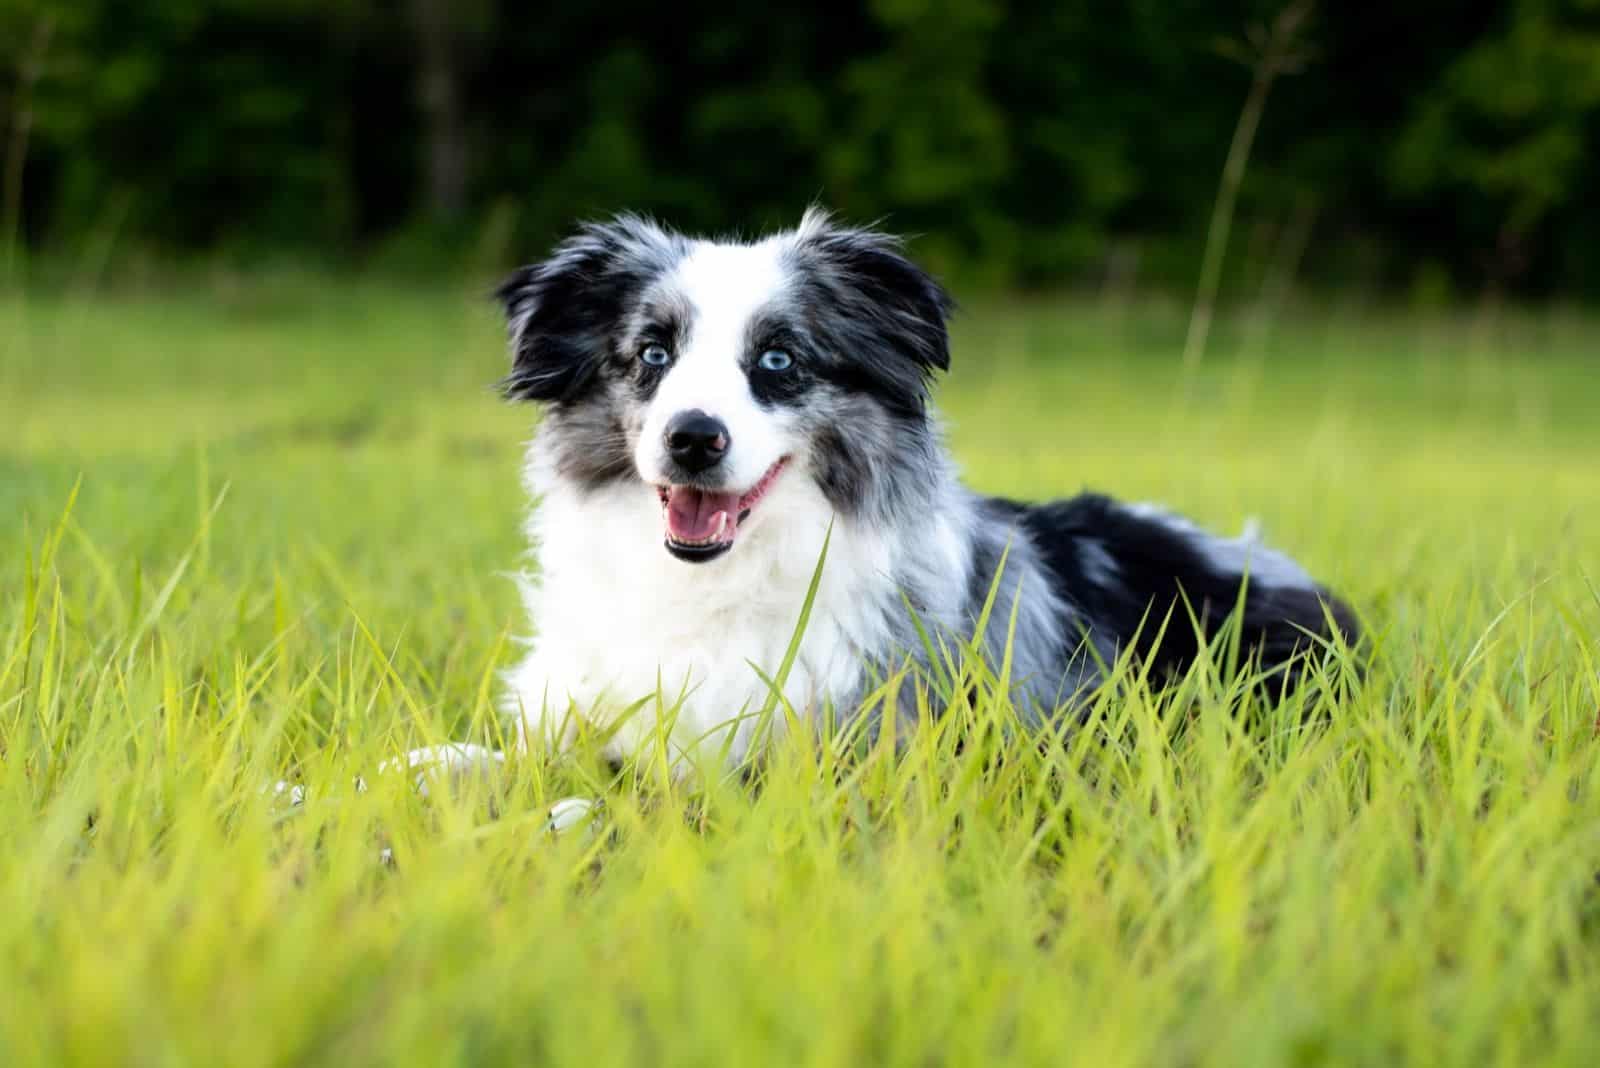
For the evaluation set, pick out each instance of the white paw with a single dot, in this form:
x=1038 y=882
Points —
x=453 y=761
x=288 y=793
x=570 y=813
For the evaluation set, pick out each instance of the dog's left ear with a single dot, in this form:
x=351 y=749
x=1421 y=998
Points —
x=561 y=313
x=895 y=313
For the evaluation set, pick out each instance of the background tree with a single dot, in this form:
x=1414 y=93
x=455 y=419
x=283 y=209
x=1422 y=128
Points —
x=1030 y=141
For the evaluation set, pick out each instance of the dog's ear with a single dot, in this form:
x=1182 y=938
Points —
x=895 y=313
x=561 y=314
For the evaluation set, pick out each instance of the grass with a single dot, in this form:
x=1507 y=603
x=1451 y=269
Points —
x=259 y=530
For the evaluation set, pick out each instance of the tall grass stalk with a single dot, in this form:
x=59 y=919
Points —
x=1276 y=51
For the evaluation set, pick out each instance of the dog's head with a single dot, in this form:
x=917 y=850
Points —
x=706 y=371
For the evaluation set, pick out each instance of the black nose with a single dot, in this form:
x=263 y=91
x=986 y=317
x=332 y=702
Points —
x=696 y=440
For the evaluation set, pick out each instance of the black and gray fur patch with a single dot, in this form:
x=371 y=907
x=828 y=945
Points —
x=564 y=315
x=880 y=317
x=1145 y=582
x=781 y=327
x=591 y=444
x=578 y=312
x=871 y=462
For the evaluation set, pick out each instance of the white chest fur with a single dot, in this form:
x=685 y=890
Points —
x=619 y=623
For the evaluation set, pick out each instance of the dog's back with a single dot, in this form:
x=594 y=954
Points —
x=1136 y=576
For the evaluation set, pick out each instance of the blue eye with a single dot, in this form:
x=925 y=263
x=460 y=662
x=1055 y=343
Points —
x=655 y=356
x=775 y=360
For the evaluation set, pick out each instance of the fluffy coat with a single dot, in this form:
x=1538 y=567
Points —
x=670 y=561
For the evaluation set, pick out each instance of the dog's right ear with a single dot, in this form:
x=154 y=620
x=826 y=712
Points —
x=561 y=314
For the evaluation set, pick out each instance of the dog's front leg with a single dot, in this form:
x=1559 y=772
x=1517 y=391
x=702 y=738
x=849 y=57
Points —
x=453 y=761
x=457 y=760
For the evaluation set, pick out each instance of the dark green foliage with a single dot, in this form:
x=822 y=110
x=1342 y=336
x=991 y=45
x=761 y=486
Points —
x=1438 y=140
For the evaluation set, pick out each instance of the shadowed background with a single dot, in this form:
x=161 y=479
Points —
x=1424 y=150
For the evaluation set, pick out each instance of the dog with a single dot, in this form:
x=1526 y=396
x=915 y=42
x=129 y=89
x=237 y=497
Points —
x=734 y=431
x=716 y=413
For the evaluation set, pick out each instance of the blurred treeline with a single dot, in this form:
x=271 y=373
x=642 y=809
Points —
x=1429 y=146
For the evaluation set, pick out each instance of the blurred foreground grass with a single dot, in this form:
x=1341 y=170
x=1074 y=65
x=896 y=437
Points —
x=295 y=506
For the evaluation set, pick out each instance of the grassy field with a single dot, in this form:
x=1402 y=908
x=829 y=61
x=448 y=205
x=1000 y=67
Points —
x=260 y=530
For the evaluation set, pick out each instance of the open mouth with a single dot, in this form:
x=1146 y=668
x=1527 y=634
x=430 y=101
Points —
x=701 y=524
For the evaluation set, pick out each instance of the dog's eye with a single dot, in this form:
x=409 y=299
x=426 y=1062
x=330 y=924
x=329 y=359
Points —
x=655 y=356
x=775 y=360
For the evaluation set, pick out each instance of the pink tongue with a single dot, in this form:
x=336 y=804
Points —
x=692 y=514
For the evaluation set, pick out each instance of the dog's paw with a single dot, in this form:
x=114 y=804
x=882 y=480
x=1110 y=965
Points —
x=285 y=794
x=454 y=762
x=571 y=813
